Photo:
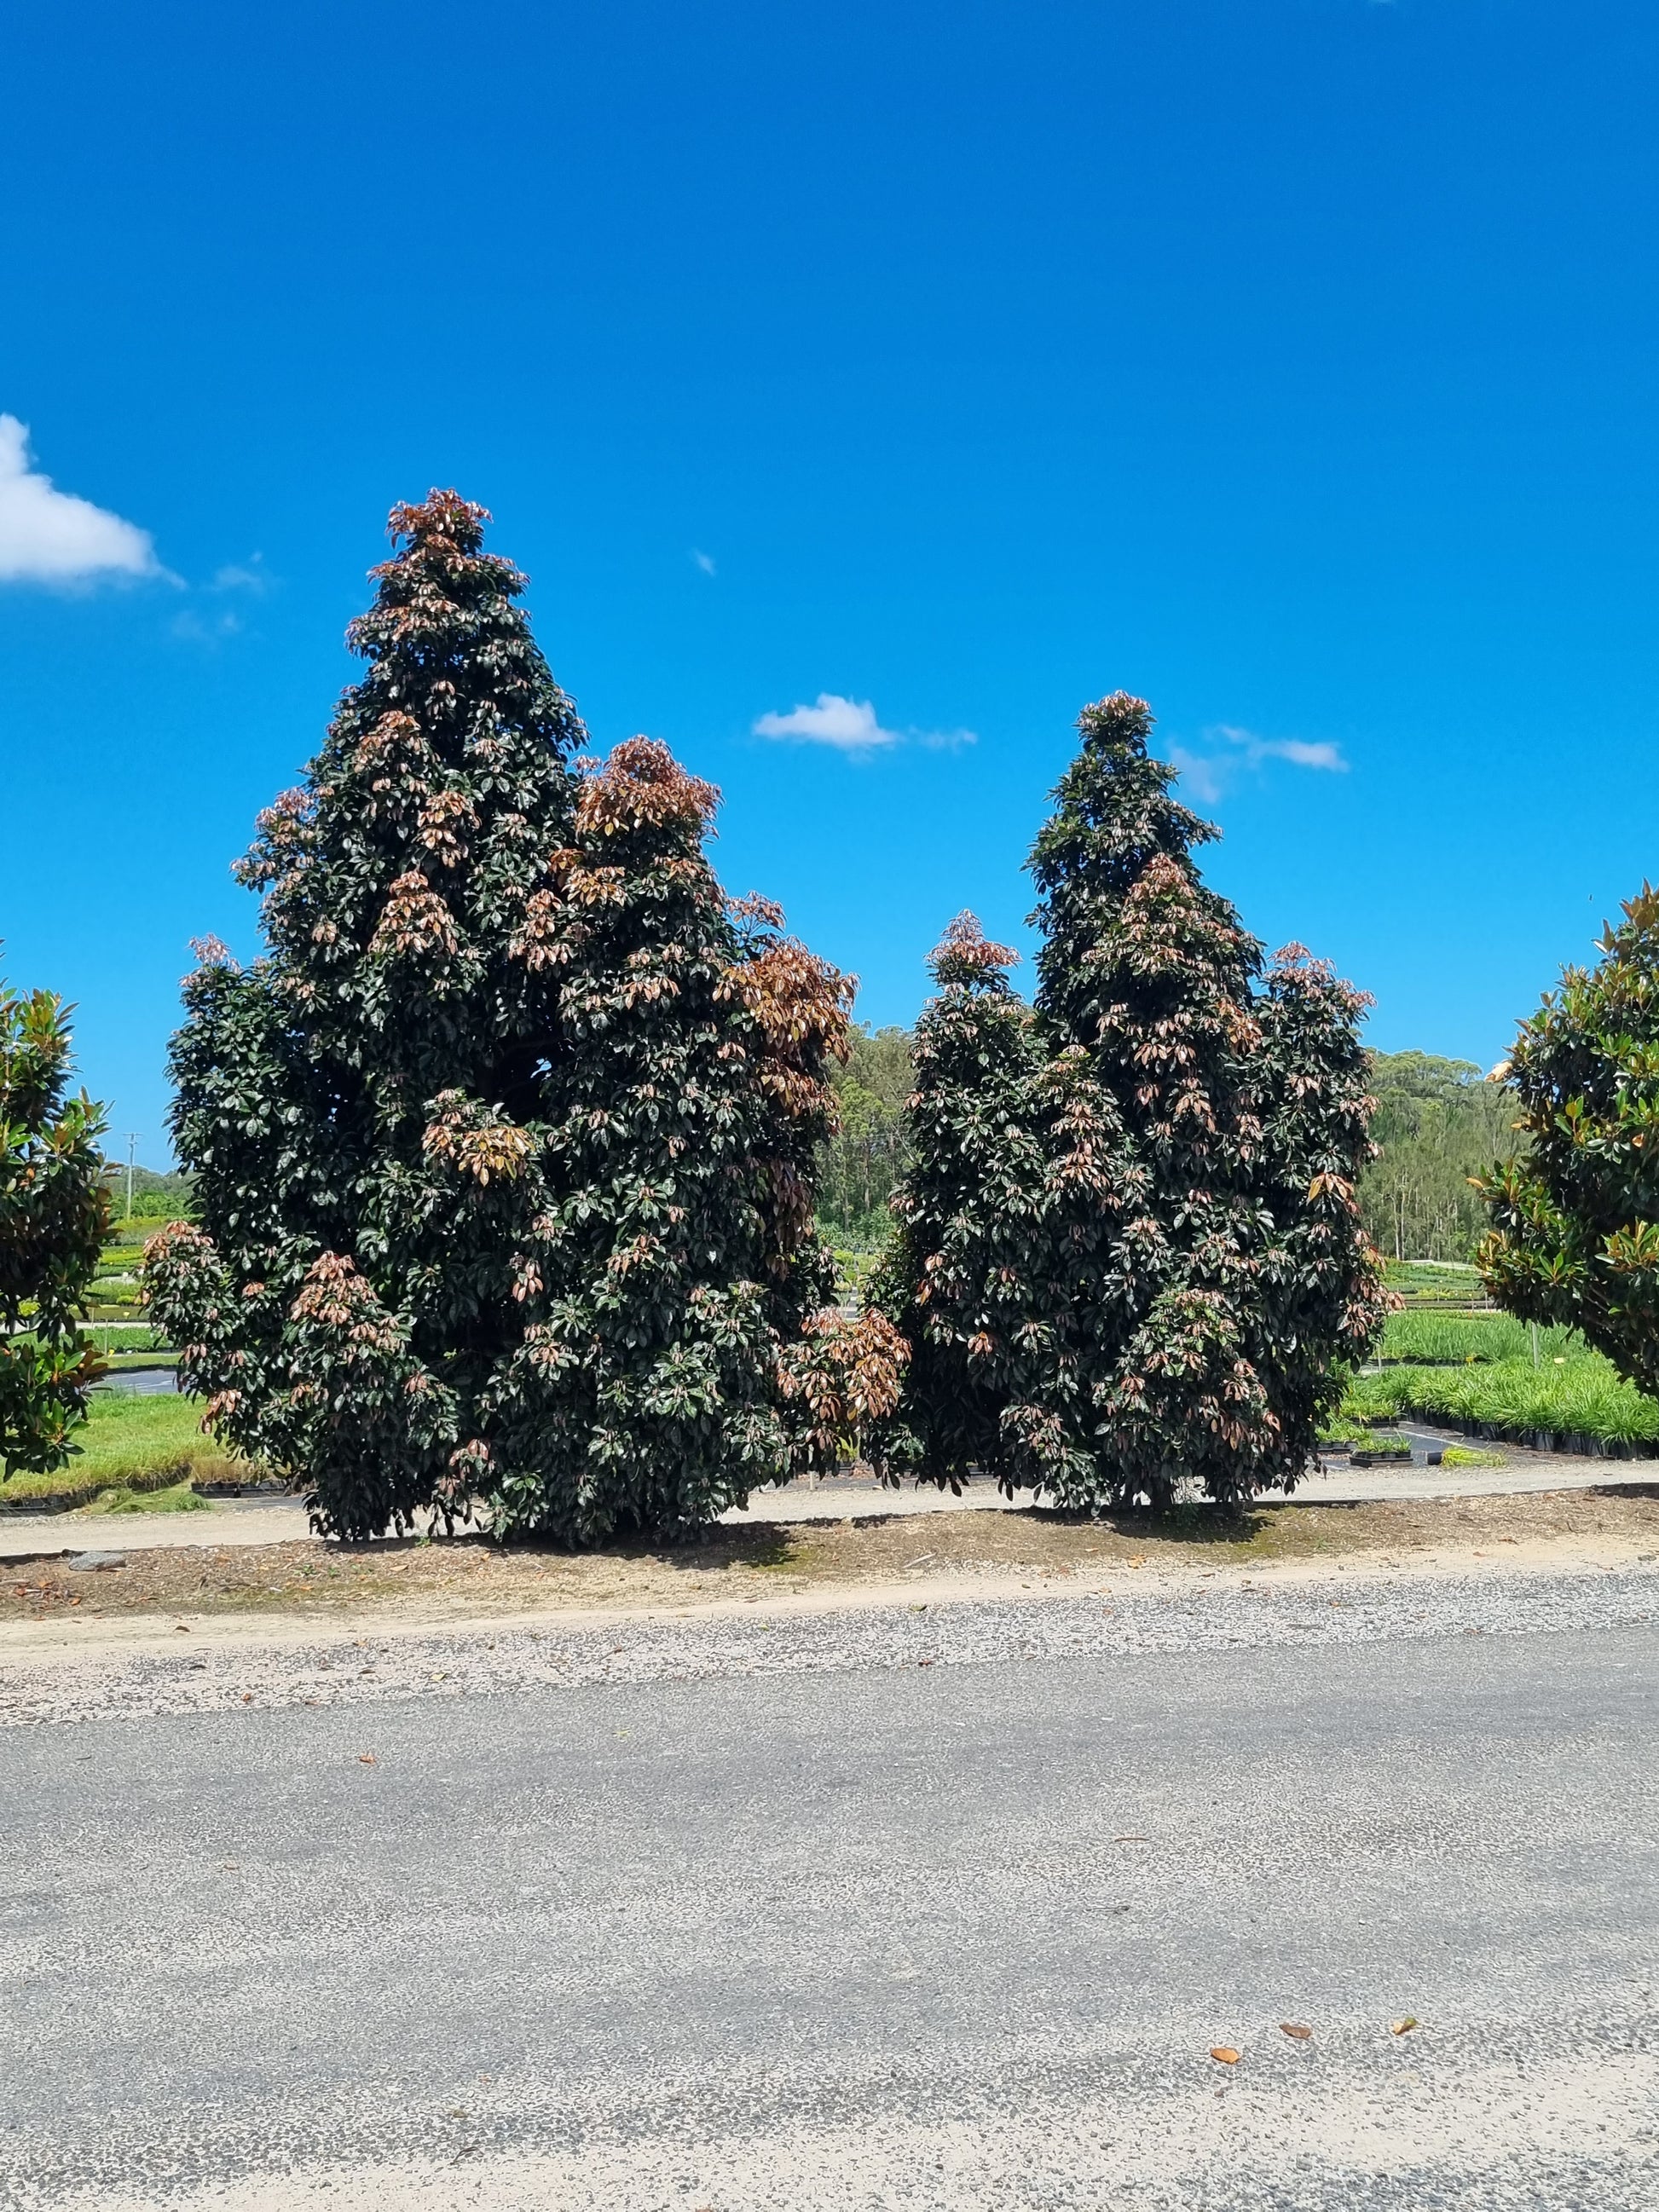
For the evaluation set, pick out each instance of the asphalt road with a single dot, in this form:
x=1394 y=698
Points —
x=855 y=1934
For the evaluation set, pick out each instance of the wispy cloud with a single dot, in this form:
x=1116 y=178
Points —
x=50 y=536
x=251 y=575
x=851 y=725
x=205 y=630
x=1207 y=775
x=703 y=560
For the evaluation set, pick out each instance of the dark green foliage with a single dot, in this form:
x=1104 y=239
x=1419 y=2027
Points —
x=1437 y=1123
x=502 y=1154
x=859 y=1167
x=54 y=1213
x=676 y=1255
x=1017 y=1177
x=1575 y=1215
x=1129 y=1247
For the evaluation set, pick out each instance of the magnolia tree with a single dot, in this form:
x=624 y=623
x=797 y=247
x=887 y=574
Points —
x=1575 y=1215
x=54 y=1214
x=501 y=1152
x=1128 y=1249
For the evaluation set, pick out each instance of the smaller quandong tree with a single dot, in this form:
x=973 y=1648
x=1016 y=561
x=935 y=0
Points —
x=54 y=1216
x=1016 y=1174
x=1575 y=1215
x=1129 y=1250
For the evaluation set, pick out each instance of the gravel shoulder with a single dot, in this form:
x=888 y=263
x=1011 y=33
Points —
x=275 y=1589
x=738 y=1617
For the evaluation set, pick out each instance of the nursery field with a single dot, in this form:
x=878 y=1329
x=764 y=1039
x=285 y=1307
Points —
x=1434 y=1283
x=1492 y=1375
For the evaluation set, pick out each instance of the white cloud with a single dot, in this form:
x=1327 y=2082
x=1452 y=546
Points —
x=703 y=560
x=1206 y=775
x=50 y=536
x=851 y=725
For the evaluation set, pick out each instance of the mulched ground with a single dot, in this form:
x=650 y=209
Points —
x=469 y=1574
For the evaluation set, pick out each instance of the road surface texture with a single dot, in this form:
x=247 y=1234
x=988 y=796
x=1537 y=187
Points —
x=913 y=1907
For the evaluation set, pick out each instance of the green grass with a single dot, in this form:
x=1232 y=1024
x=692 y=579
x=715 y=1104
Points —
x=131 y=1442
x=1577 y=1395
x=177 y=1497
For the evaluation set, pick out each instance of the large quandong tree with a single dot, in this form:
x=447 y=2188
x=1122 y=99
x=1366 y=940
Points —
x=1575 y=1215
x=54 y=1214
x=502 y=1150
x=1129 y=1250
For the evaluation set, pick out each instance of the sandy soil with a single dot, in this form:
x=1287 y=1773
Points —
x=260 y=1590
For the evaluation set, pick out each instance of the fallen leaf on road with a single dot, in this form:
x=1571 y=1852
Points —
x=1296 y=2031
x=1224 y=2055
x=366 y=1758
x=1402 y=2026
x=247 y=1697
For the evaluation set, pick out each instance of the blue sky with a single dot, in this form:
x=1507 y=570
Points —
x=1289 y=361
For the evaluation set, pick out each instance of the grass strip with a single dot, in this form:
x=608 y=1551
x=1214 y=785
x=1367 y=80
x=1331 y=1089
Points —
x=132 y=1441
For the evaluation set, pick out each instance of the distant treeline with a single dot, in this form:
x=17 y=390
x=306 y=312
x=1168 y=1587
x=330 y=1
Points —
x=858 y=1170
x=155 y=1196
x=1439 y=1121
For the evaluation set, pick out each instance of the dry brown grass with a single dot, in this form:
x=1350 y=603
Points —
x=470 y=1575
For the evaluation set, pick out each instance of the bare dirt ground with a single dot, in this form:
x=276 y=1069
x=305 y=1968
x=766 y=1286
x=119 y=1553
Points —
x=823 y=1564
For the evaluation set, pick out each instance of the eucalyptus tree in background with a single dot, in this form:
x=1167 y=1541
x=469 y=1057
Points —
x=501 y=1153
x=1146 y=1261
x=1574 y=1236
x=54 y=1215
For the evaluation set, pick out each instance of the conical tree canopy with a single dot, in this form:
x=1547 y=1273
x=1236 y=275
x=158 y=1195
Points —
x=1191 y=1322
x=433 y=1127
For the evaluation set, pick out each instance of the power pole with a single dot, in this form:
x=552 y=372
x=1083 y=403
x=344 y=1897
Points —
x=132 y=1147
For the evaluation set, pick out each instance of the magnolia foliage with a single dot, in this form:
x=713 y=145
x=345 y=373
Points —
x=1575 y=1215
x=54 y=1213
x=502 y=1151
x=1127 y=1248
